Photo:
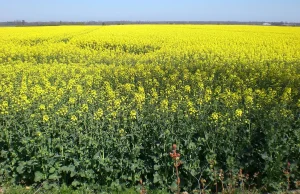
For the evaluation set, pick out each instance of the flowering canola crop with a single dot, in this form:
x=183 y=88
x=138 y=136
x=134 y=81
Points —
x=97 y=98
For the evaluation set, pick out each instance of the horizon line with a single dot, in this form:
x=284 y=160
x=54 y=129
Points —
x=237 y=21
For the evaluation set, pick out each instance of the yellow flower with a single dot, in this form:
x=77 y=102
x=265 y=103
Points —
x=249 y=100
x=94 y=93
x=114 y=114
x=192 y=109
x=139 y=99
x=200 y=101
x=164 y=105
x=238 y=112
x=207 y=96
x=85 y=108
x=45 y=118
x=98 y=114
x=79 y=89
x=63 y=111
x=42 y=107
x=215 y=116
x=121 y=132
x=133 y=114
x=4 y=108
x=174 y=107
x=5 y=104
x=73 y=118
x=187 y=88
x=72 y=100
x=51 y=106
x=127 y=87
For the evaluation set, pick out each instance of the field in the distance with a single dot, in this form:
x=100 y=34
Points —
x=120 y=45
x=101 y=106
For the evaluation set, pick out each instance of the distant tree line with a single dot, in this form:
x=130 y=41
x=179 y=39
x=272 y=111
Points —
x=58 y=23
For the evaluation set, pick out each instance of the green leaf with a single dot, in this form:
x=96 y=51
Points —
x=52 y=170
x=193 y=172
x=173 y=186
x=70 y=168
x=38 y=176
x=20 y=169
x=191 y=145
x=97 y=156
x=133 y=167
x=137 y=176
x=64 y=169
x=156 y=167
x=264 y=156
x=73 y=173
x=156 y=178
x=108 y=169
x=3 y=154
x=54 y=176
x=75 y=183
x=46 y=185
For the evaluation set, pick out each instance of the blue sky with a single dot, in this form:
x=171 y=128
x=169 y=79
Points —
x=150 y=10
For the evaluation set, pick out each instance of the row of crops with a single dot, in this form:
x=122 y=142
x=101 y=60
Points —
x=101 y=106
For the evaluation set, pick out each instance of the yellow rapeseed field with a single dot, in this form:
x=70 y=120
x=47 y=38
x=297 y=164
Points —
x=97 y=92
x=56 y=67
